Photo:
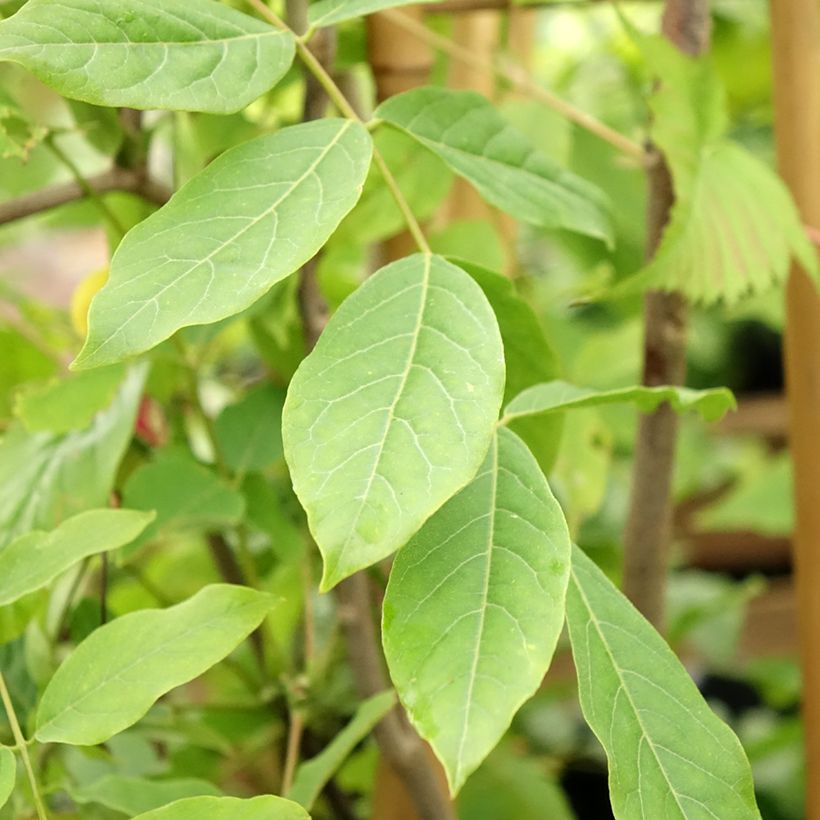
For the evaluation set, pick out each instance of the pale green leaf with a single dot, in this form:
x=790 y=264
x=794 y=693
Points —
x=249 y=433
x=475 y=605
x=669 y=754
x=265 y=807
x=190 y=55
x=68 y=404
x=18 y=135
x=464 y=129
x=35 y=559
x=313 y=774
x=114 y=676
x=8 y=774
x=333 y=12
x=47 y=477
x=132 y=795
x=393 y=410
x=252 y=217
x=557 y=396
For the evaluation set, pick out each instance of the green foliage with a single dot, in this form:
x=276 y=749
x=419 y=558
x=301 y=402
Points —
x=8 y=774
x=332 y=12
x=228 y=808
x=133 y=795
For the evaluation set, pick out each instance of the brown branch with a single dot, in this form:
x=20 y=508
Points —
x=115 y=179
x=646 y=537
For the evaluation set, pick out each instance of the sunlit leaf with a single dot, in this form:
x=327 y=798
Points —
x=249 y=219
x=265 y=807
x=192 y=55
x=394 y=409
x=669 y=754
x=114 y=676
x=475 y=605
x=332 y=12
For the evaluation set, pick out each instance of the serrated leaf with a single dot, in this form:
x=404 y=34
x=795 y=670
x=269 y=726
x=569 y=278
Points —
x=475 y=605
x=252 y=217
x=114 y=676
x=467 y=132
x=333 y=12
x=393 y=410
x=47 y=477
x=265 y=807
x=131 y=795
x=188 y=55
x=8 y=774
x=35 y=559
x=312 y=775
x=669 y=754
x=557 y=396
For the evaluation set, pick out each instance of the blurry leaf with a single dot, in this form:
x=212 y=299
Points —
x=47 y=477
x=469 y=630
x=194 y=55
x=35 y=559
x=669 y=754
x=81 y=299
x=18 y=136
x=332 y=12
x=266 y=511
x=114 y=676
x=277 y=331
x=68 y=404
x=312 y=775
x=20 y=361
x=464 y=129
x=558 y=396
x=98 y=124
x=249 y=433
x=255 y=215
x=131 y=795
x=264 y=807
x=475 y=241
x=393 y=410
x=15 y=617
x=8 y=774
x=184 y=494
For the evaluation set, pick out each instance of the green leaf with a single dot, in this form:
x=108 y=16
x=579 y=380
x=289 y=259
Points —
x=47 y=477
x=249 y=433
x=669 y=754
x=252 y=217
x=464 y=129
x=556 y=396
x=475 y=605
x=191 y=55
x=131 y=795
x=313 y=774
x=265 y=807
x=332 y=12
x=18 y=136
x=393 y=410
x=68 y=404
x=8 y=774
x=35 y=559
x=114 y=676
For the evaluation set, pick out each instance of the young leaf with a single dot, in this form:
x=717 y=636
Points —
x=190 y=55
x=249 y=219
x=332 y=12
x=114 y=676
x=35 y=559
x=669 y=754
x=464 y=129
x=475 y=605
x=8 y=774
x=131 y=795
x=313 y=774
x=18 y=135
x=265 y=807
x=393 y=410
x=556 y=396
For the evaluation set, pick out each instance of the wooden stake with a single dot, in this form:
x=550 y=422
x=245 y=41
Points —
x=796 y=63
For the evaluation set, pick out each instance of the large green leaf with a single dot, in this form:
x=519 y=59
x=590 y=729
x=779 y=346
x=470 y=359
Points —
x=393 y=410
x=8 y=774
x=191 y=55
x=669 y=754
x=132 y=795
x=114 y=676
x=475 y=605
x=332 y=12
x=47 y=477
x=265 y=807
x=249 y=219
x=556 y=396
x=464 y=129
x=36 y=558
x=313 y=774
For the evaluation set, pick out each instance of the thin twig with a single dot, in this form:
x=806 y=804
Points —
x=22 y=747
x=295 y=729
